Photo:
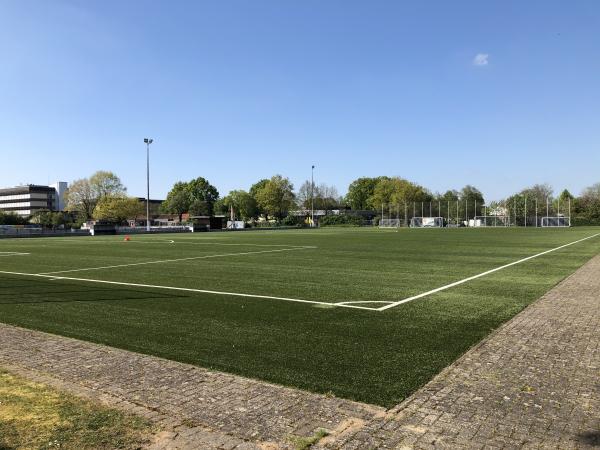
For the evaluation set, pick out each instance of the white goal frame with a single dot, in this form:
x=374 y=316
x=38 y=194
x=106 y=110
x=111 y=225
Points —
x=427 y=222
x=491 y=221
x=391 y=223
x=562 y=221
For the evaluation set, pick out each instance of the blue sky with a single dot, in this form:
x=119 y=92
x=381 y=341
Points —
x=500 y=94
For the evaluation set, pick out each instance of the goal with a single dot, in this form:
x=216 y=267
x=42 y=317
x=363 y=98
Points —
x=490 y=221
x=557 y=221
x=427 y=222
x=390 y=223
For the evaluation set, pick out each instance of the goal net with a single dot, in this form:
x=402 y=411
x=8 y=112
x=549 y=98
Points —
x=390 y=223
x=490 y=221
x=558 y=221
x=427 y=222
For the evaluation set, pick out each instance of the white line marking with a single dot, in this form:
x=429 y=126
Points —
x=174 y=288
x=456 y=283
x=160 y=261
x=364 y=301
x=183 y=242
x=13 y=254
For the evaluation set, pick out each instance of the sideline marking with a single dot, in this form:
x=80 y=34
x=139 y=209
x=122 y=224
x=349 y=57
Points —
x=456 y=283
x=184 y=242
x=174 y=288
x=160 y=261
x=13 y=254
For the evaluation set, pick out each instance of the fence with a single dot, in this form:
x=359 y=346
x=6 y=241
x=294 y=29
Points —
x=457 y=213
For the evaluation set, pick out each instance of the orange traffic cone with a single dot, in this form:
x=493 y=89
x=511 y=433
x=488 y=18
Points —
x=127 y=238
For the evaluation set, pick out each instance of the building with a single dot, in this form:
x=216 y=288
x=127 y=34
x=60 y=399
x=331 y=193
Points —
x=26 y=200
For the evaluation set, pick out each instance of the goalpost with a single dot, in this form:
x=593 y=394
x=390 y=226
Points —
x=490 y=221
x=556 y=221
x=390 y=223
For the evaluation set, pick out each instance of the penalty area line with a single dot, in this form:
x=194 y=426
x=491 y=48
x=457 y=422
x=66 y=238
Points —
x=483 y=274
x=175 y=288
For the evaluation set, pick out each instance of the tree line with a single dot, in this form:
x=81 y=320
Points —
x=102 y=196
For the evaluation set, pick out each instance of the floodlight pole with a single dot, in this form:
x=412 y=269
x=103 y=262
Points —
x=536 y=213
x=148 y=141
x=525 y=213
x=312 y=196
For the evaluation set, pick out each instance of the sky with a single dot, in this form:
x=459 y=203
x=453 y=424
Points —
x=497 y=94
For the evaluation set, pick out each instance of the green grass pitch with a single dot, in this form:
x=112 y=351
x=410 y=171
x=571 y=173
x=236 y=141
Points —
x=370 y=355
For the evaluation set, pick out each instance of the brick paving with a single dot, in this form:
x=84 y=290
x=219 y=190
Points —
x=196 y=407
x=534 y=383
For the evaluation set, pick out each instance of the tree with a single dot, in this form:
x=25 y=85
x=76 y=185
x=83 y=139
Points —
x=83 y=195
x=470 y=202
x=10 y=218
x=254 y=190
x=303 y=198
x=105 y=184
x=276 y=196
x=243 y=204
x=178 y=200
x=81 y=198
x=202 y=195
x=397 y=191
x=592 y=192
x=326 y=197
x=522 y=206
x=361 y=191
x=322 y=196
x=118 y=209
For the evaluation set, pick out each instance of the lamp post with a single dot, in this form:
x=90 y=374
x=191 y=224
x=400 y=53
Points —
x=148 y=142
x=312 y=196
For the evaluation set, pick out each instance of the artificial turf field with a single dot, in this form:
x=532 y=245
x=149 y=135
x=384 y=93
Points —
x=289 y=330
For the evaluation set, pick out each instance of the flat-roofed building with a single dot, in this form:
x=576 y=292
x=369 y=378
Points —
x=25 y=200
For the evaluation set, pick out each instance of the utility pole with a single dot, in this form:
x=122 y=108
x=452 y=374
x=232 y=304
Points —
x=148 y=141
x=312 y=196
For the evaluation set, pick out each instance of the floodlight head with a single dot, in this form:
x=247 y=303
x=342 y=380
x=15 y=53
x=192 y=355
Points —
x=148 y=141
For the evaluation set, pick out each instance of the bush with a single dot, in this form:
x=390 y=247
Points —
x=341 y=221
x=583 y=221
x=293 y=221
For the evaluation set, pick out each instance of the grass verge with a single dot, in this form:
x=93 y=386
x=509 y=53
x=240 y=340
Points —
x=35 y=416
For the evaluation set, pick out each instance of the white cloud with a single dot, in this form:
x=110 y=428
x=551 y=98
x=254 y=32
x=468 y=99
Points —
x=481 y=59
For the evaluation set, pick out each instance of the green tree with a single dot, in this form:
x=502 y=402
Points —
x=80 y=198
x=243 y=204
x=471 y=202
x=10 y=218
x=106 y=184
x=361 y=191
x=83 y=195
x=397 y=191
x=276 y=197
x=202 y=196
x=118 y=209
x=178 y=200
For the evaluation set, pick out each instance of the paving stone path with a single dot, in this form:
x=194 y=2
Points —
x=534 y=383
x=200 y=408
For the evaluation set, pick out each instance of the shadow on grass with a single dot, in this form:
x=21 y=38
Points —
x=56 y=292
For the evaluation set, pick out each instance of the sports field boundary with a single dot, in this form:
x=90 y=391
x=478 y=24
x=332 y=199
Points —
x=353 y=304
x=482 y=274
